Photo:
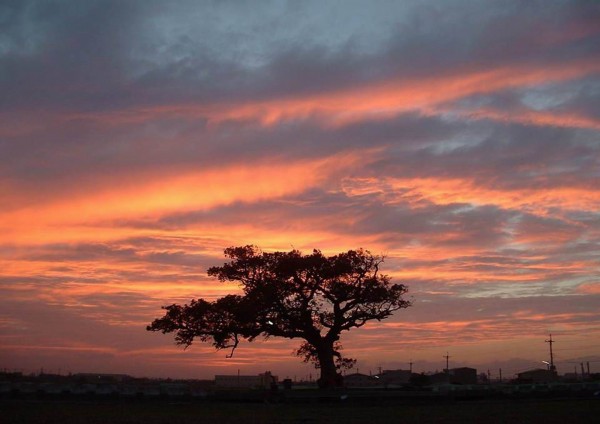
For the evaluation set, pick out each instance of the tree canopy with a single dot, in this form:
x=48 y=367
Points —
x=287 y=294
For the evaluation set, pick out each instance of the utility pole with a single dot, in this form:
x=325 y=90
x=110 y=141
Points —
x=588 y=368
x=550 y=341
x=582 y=371
x=500 y=372
x=447 y=366
x=410 y=364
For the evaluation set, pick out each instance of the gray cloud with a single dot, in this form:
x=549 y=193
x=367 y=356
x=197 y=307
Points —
x=88 y=92
x=102 y=55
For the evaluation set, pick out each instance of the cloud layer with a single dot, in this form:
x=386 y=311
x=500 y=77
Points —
x=138 y=139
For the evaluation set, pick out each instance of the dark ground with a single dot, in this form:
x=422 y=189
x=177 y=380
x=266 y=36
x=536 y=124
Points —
x=550 y=411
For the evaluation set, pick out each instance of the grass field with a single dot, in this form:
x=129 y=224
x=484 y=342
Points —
x=121 y=412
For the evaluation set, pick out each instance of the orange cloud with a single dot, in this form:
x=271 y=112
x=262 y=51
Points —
x=373 y=101
x=532 y=117
x=67 y=217
x=444 y=191
x=589 y=288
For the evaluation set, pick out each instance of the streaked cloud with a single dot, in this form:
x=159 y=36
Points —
x=138 y=139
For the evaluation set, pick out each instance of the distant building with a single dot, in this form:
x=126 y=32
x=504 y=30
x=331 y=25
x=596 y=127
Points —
x=572 y=376
x=246 y=381
x=394 y=377
x=439 y=378
x=175 y=389
x=101 y=378
x=11 y=376
x=538 y=375
x=360 y=380
x=463 y=375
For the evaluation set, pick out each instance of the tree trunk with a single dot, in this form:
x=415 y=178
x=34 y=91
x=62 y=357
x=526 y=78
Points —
x=329 y=376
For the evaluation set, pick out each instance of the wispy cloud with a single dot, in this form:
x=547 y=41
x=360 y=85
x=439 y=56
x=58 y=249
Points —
x=459 y=139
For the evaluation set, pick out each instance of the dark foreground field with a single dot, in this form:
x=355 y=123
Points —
x=131 y=412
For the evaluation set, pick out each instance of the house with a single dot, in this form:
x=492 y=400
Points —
x=360 y=380
x=394 y=377
x=439 y=378
x=246 y=381
x=538 y=375
x=101 y=378
x=463 y=375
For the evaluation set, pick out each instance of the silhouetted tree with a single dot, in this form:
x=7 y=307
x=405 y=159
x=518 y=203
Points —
x=287 y=294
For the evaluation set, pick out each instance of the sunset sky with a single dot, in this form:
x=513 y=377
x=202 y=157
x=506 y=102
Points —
x=460 y=139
